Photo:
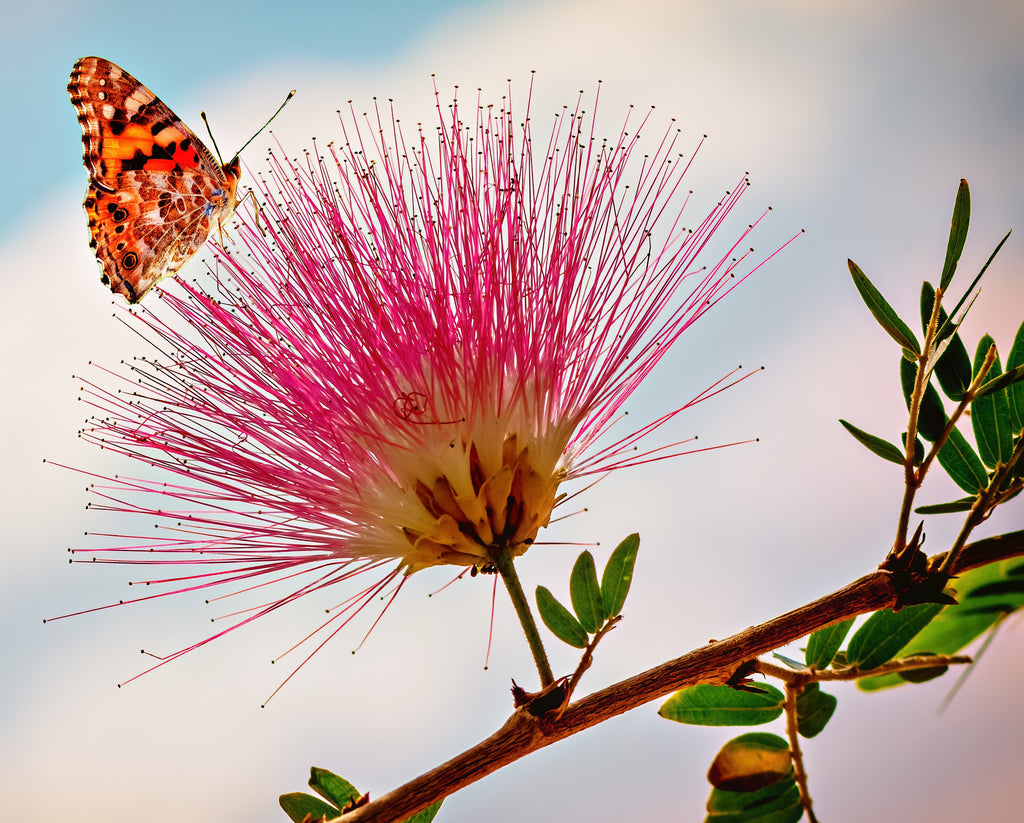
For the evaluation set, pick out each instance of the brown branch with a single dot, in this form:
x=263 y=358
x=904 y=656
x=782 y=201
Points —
x=523 y=733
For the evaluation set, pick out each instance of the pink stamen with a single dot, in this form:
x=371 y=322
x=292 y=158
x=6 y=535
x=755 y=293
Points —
x=424 y=320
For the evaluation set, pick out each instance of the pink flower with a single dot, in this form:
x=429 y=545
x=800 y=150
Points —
x=432 y=338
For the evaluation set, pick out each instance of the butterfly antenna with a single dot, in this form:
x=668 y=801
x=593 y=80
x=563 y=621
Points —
x=213 y=140
x=291 y=94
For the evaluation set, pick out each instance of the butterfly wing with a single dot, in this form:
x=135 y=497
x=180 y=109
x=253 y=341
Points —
x=155 y=191
x=147 y=228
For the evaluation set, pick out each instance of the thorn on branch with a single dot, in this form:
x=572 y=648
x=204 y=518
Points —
x=912 y=579
x=550 y=698
x=740 y=679
x=355 y=803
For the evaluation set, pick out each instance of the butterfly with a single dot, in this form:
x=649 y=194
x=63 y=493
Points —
x=155 y=191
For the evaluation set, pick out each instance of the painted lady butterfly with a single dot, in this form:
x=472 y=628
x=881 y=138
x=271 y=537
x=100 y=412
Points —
x=155 y=191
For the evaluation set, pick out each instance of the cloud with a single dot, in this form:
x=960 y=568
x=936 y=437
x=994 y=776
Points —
x=855 y=122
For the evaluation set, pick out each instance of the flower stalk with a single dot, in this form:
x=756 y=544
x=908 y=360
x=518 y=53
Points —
x=504 y=563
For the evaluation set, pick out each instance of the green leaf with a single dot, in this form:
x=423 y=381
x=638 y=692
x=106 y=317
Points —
x=331 y=787
x=953 y=368
x=918 y=448
x=957 y=233
x=1009 y=378
x=751 y=762
x=779 y=803
x=999 y=590
x=958 y=625
x=990 y=414
x=883 y=448
x=962 y=463
x=927 y=306
x=931 y=419
x=886 y=632
x=882 y=311
x=585 y=593
x=425 y=815
x=986 y=594
x=560 y=620
x=970 y=290
x=789 y=662
x=922 y=675
x=1014 y=588
x=824 y=643
x=299 y=806
x=713 y=705
x=879 y=682
x=1015 y=394
x=726 y=803
x=964 y=504
x=814 y=708
x=618 y=574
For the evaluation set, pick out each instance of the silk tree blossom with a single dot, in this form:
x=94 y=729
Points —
x=430 y=340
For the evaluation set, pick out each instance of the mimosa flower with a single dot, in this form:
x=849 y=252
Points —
x=431 y=340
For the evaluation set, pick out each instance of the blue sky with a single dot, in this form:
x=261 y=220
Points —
x=855 y=121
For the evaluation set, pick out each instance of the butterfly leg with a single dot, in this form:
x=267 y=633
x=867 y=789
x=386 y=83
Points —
x=221 y=231
x=250 y=194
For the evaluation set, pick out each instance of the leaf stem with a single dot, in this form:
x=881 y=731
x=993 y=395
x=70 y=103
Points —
x=792 y=692
x=504 y=562
x=986 y=500
x=914 y=476
x=588 y=656
x=791 y=677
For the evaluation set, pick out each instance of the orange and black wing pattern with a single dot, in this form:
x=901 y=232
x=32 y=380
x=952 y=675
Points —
x=155 y=191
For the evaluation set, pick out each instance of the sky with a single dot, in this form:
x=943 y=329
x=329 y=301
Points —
x=855 y=122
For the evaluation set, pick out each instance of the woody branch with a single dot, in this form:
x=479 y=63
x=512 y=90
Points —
x=523 y=733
